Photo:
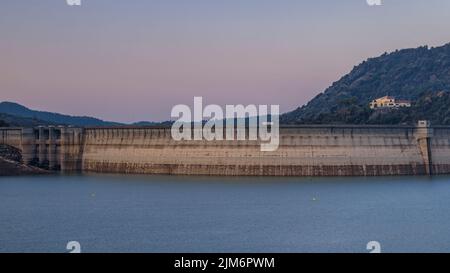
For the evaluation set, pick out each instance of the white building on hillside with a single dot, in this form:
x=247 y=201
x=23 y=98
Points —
x=389 y=102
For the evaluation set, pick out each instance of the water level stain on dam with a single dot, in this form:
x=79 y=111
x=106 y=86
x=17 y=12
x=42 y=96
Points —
x=118 y=213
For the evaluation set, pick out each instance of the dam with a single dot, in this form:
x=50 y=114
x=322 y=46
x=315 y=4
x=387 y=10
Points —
x=309 y=150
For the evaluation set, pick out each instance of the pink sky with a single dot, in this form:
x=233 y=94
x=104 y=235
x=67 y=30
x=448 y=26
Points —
x=134 y=60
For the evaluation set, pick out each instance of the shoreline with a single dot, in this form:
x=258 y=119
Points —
x=12 y=168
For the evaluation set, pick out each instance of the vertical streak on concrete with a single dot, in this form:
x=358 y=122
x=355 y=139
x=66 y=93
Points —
x=81 y=136
x=63 y=149
x=28 y=144
x=42 y=143
x=51 y=148
x=71 y=149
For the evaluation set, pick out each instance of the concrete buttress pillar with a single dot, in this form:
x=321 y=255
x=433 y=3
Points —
x=424 y=134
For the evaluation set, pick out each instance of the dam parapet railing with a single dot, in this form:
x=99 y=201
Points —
x=305 y=150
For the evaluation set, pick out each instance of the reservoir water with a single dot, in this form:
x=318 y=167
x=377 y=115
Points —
x=119 y=213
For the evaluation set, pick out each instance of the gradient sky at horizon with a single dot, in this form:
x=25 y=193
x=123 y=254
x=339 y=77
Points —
x=133 y=60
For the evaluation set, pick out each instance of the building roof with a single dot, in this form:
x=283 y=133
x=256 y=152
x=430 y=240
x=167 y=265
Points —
x=387 y=98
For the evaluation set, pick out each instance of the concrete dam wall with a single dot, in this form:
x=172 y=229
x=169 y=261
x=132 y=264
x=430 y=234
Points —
x=303 y=151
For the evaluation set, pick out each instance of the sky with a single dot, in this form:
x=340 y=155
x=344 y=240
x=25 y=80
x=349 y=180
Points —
x=133 y=60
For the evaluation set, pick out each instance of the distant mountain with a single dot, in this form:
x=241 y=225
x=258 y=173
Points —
x=25 y=114
x=7 y=120
x=421 y=75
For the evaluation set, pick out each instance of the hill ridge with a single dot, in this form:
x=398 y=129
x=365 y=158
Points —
x=415 y=74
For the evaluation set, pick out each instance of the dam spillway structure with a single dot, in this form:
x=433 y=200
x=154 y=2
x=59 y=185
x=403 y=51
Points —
x=306 y=150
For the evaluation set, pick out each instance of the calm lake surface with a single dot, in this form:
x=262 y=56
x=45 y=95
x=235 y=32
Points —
x=118 y=213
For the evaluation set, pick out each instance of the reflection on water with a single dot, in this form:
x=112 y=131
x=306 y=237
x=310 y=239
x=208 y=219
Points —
x=115 y=213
